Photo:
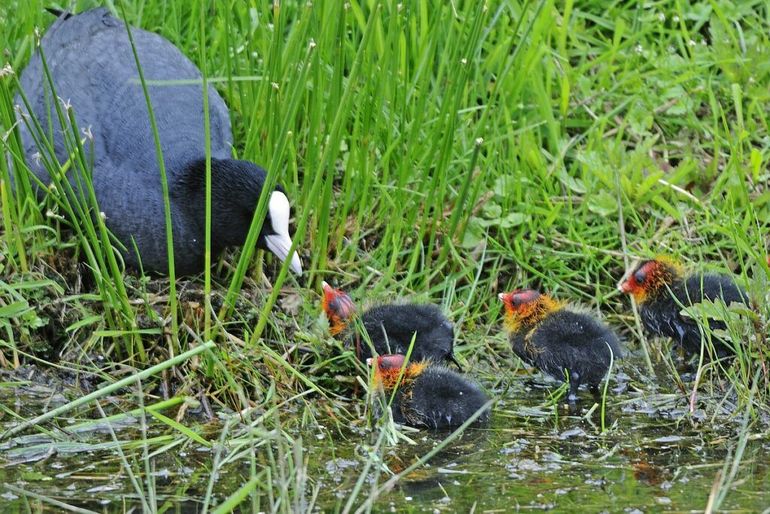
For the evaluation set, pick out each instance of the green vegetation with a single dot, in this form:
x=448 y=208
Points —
x=443 y=151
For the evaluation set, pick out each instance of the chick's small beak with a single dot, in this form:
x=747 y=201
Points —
x=506 y=299
x=625 y=286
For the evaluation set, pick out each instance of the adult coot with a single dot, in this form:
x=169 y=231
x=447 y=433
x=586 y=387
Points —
x=93 y=69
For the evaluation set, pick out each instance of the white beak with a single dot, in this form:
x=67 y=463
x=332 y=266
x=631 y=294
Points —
x=280 y=242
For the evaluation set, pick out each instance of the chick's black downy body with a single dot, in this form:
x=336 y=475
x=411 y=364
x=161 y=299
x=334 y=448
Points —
x=438 y=398
x=93 y=70
x=661 y=316
x=571 y=341
x=391 y=328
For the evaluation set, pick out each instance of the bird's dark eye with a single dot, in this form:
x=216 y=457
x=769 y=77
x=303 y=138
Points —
x=516 y=301
x=640 y=277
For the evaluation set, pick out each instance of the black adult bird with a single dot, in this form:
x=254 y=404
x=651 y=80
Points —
x=661 y=290
x=93 y=69
x=391 y=327
x=559 y=341
x=429 y=395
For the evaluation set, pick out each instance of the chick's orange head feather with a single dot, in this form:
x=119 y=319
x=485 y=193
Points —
x=339 y=308
x=526 y=307
x=519 y=300
x=651 y=277
x=389 y=369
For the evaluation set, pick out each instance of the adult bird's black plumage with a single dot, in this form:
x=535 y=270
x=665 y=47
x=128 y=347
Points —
x=662 y=290
x=429 y=395
x=93 y=70
x=559 y=341
x=391 y=327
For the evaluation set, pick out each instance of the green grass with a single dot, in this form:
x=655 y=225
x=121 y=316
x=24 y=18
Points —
x=444 y=151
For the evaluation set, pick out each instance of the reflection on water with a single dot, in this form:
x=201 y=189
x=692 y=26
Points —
x=655 y=456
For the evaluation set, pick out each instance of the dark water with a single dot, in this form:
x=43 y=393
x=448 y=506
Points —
x=655 y=456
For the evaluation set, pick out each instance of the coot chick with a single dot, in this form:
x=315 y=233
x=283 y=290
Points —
x=429 y=395
x=662 y=290
x=390 y=328
x=93 y=70
x=558 y=341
